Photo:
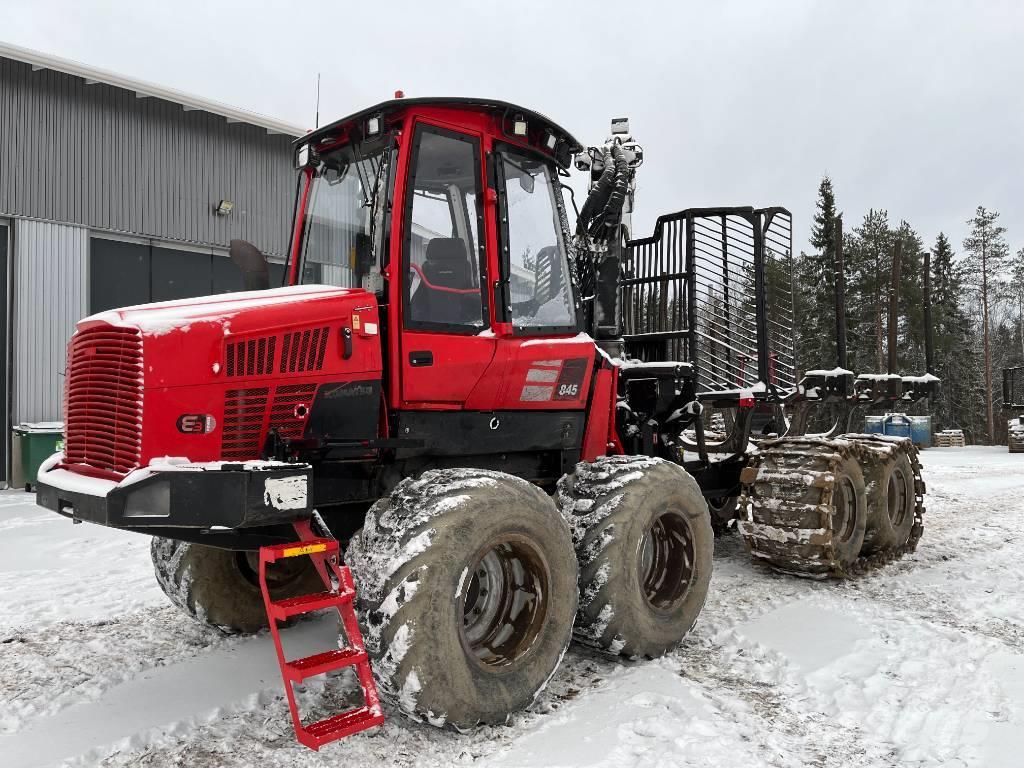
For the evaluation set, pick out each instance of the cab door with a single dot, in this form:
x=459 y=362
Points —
x=446 y=344
x=542 y=362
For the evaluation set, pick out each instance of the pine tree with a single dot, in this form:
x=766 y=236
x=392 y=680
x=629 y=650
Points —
x=987 y=251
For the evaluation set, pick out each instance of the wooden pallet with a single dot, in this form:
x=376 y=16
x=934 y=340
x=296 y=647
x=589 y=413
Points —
x=949 y=438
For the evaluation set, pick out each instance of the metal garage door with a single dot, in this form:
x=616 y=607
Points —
x=126 y=273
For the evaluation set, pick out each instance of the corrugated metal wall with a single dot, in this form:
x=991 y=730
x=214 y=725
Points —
x=101 y=157
x=50 y=295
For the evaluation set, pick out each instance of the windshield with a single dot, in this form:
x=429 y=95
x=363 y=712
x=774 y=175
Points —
x=344 y=227
x=538 y=272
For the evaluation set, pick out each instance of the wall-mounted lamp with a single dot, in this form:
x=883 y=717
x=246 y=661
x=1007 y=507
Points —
x=224 y=207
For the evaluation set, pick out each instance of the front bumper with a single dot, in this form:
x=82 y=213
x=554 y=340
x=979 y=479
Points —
x=218 y=496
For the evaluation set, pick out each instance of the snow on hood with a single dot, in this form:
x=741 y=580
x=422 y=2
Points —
x=163 y=317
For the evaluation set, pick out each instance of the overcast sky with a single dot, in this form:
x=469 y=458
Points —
x=915 y=107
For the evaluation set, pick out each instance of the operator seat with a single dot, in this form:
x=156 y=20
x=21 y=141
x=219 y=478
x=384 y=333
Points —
x=446 y=266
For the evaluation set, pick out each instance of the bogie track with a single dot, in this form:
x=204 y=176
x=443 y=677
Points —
x=811 y=506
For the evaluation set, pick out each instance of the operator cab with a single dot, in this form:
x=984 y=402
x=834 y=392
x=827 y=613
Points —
x=449 y=211
x=432 y=160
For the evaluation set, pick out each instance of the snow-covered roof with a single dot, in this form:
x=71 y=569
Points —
x=142 y=89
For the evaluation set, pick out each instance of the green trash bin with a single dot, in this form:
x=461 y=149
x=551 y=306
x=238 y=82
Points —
x=38 y=442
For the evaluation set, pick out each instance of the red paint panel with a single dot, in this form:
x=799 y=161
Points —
x=458 y=364
x=542 y=374
x=248 y=363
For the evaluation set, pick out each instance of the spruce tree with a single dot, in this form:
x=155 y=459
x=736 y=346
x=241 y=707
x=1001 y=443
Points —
x=823 y=228
x=815 y=292
x=867 y=285
x=956 y=361
x=911 y=301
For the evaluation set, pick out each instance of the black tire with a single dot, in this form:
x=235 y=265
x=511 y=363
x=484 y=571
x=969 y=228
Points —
x=850 y=512
x=437 y=565
x=804 y=506
x=891 y=503
x=644 y=544
x=220 y=588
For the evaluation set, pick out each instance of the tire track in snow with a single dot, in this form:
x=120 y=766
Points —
x=166 y=699
x=68 y=663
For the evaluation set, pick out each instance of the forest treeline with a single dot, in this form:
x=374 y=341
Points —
x=977 y=296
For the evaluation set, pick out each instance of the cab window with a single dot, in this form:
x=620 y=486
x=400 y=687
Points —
x=540 y=291
x=442 y=255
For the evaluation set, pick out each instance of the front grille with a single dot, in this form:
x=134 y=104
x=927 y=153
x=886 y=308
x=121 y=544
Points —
x=283 y=416
x=254 y=357
x=244 y=410
x=103 y=399
x=304 y=350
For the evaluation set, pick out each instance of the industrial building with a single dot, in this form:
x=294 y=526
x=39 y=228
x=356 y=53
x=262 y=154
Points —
x=113 y=192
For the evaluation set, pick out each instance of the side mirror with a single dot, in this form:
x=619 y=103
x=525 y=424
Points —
x=247 y=257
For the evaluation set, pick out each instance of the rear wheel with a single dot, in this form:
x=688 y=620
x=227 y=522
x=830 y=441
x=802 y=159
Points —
x=804 y=507
x=467 y=584
x=221 y=588
x=892 y=503
x=644 y=543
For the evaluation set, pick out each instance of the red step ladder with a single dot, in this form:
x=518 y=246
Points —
x=340 y=593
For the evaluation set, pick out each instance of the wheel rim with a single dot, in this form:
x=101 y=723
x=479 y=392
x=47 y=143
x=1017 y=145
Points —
x=665 y=563
x=897 y=502
x=844 y=500
x=505 y=602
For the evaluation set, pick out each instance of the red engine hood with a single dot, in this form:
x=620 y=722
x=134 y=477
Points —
x=246 y=362
x=186 y=342
x=229 y=311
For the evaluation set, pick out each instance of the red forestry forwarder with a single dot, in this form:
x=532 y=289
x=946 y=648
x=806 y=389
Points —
x=472 y=419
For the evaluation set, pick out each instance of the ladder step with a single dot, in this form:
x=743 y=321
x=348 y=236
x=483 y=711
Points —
x=276 y=552
x=311 y=666
x=340 y=726
x=295 y=606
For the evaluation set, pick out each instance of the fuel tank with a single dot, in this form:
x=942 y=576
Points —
x=206 y=379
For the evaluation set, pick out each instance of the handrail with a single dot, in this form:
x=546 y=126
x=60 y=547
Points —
x=445 y=289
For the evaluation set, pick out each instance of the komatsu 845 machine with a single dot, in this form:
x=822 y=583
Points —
x=471 y=429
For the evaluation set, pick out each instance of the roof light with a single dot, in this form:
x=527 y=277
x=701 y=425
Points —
x=550 y=140
x=399 y=94
x=373 y=126
x=519 y=126
x=302 y=156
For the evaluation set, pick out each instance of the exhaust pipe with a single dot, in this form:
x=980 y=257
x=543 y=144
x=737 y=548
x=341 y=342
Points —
x=253 y=263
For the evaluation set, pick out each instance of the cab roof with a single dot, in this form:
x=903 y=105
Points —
x=385 y=108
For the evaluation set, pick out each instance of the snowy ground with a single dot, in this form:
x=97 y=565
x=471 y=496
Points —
x=921 y=664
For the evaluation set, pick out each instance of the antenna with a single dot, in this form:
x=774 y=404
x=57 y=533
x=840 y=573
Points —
x=317 y=124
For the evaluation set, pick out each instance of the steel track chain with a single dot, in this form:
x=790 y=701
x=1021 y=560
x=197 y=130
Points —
x=790 y=469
